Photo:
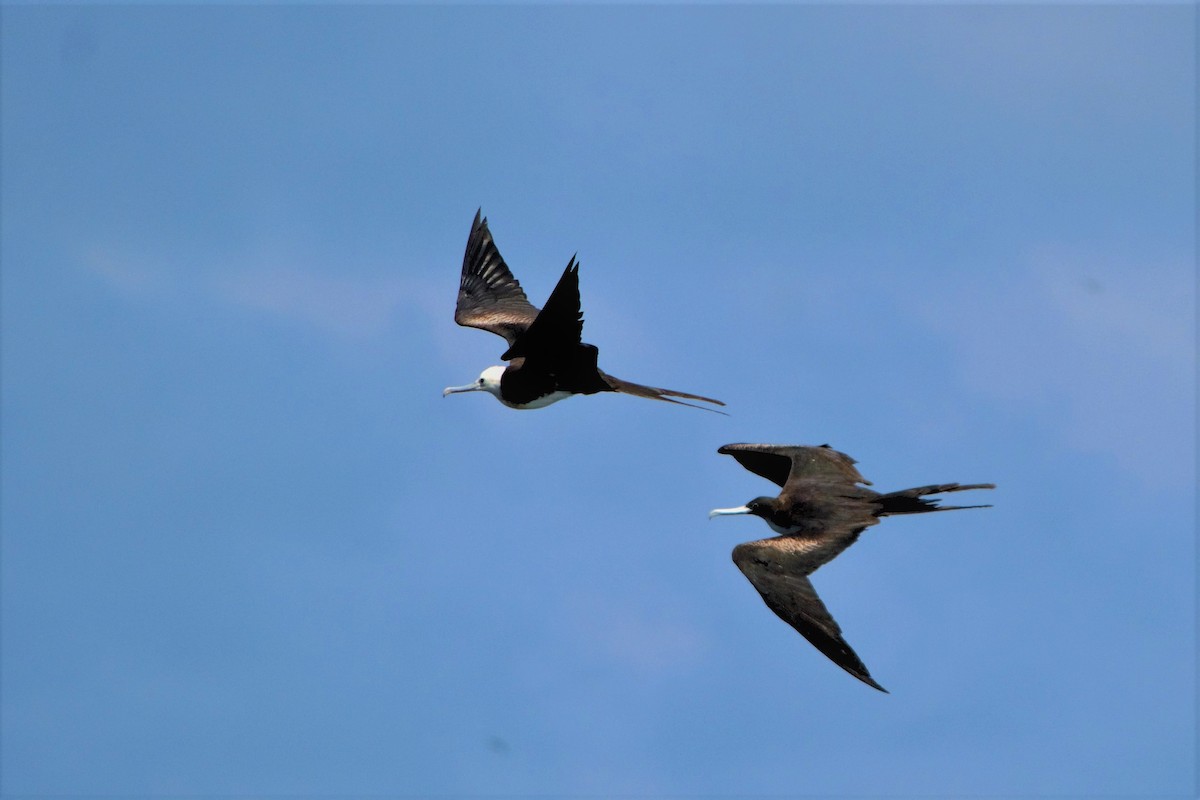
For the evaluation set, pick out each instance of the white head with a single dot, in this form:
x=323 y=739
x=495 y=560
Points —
x=488 y=381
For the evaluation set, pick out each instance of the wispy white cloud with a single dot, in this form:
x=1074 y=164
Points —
x=272 y=281
x=354 y=307
x=1019 y=57
x=647 y=642
x=130 y=274
x=1102 y=350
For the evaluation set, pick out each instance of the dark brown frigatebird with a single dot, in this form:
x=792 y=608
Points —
x=547 y=359
x=820 y=512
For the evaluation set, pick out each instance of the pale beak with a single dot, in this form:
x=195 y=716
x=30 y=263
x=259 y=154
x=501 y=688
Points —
x=728 y=512
x=470 y=387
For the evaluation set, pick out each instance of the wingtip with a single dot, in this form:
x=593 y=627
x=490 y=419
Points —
x=478 y=226
x=869 y=681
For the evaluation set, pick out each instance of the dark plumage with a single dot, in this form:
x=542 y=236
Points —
x=821 y=510
x=548 y=361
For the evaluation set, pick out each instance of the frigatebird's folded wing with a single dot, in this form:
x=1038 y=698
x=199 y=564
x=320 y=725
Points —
x=489 y=297
x=781 y=463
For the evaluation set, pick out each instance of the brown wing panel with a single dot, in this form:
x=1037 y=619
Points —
x=489 y=297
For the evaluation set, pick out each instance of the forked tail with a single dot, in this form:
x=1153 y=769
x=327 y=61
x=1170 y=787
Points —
x=653 y=393
x=911 y=501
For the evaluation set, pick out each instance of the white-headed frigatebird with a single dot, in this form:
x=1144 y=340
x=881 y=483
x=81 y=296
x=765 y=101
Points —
x=547 y=359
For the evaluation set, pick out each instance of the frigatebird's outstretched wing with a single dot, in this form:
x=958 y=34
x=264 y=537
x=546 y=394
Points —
x=555 y=338
x=778 y=568
x=556 y=331
x=489 y=297
x=781 y=464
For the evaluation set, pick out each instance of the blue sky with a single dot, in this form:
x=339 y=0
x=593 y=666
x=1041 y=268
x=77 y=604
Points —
x=249 y=548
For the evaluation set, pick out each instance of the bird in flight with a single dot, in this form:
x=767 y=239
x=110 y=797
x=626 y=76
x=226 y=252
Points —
x=821 y=510
x=547 y=359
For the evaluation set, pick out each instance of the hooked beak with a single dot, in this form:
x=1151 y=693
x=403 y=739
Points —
x=728 y=512
x=470 y=387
